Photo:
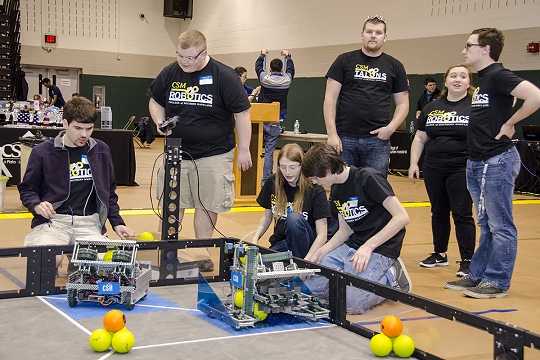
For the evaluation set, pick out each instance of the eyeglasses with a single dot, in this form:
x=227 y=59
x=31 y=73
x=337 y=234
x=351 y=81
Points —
x=373 y=17
x=290 y=167
x=469 y=45
x=188 y=58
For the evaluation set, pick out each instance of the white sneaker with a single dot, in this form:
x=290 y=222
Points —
x=402 y=281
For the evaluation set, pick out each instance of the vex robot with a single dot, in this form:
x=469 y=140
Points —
x=114 y=277
x=261 y=284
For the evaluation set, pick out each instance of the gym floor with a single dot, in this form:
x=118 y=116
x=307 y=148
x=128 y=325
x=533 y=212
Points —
x=167 y=324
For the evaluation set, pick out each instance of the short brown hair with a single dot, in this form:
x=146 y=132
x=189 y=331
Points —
x=192 y=38
x=320 y=159
x=492 y=37
x=81 y=110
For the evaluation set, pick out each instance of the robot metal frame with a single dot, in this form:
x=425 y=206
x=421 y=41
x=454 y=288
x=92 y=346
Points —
x=261 y=284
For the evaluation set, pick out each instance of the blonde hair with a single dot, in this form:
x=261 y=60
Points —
x=292 y=152
x=470 y=89
x=192 y=38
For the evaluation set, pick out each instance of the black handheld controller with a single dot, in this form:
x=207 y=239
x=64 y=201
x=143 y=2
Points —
x=169 y=124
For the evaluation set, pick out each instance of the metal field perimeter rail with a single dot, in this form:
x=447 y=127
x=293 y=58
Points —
x=509 y=341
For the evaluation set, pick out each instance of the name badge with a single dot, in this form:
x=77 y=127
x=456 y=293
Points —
x=206 y=80
x=353 y=200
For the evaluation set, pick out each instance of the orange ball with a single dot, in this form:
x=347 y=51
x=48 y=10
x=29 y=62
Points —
x=391 y=326
x=114 y=320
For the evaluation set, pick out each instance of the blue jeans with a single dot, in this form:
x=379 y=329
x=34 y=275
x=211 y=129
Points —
x=358 y=300
x=299 y=236
x=491 y=184
x=271 y=134
x=366 y=151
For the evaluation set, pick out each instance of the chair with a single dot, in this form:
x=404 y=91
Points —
x=136 y=131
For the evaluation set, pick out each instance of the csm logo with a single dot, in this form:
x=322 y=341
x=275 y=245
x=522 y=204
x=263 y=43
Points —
x=11 y=151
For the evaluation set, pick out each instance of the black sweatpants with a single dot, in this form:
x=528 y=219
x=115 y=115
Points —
x=448 y=192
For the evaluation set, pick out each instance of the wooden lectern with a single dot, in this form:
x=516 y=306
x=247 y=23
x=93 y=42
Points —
x=248 y=183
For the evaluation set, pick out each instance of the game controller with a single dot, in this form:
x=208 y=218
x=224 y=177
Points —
x=169 y=124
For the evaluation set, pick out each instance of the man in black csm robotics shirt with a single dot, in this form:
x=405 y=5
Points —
x=493 y=164
x=357 y=100
x=371 y=228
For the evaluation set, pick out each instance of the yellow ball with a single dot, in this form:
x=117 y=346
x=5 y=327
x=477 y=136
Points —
x=123 y=341
x=403 y=346
x=108 y=256
x=243 y=257
x=380 y=345
x=259 y=313
x=100 y=340
x=146 y=236
x=239 y=298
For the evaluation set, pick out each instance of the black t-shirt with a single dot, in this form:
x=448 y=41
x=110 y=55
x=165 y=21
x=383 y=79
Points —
x=445 y=123
x=315 y=205
x=360 y=201
x=82 y=199
x=206 y=102
x=491 y=108
x=366 y=85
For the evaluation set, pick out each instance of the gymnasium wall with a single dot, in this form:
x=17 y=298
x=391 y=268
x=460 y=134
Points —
x=115 y=47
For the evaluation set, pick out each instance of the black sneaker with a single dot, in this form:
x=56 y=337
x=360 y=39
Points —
x=485 y=290
x=462 y=284
x=435 y=259
x=463 y=267
x=402 y=281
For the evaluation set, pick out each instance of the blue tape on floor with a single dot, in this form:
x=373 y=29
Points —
x=273 y=323
x=88 y=310
x=430 y=317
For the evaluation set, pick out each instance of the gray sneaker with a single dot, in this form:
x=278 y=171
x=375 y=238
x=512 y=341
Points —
x=462 y=284
x=485 y=290
x=402 y=281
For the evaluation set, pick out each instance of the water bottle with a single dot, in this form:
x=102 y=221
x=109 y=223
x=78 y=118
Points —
x=297 y=127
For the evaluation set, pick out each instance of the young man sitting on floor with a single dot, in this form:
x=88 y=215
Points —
x=371 y=228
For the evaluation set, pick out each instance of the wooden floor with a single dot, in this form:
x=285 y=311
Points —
x=441 y=337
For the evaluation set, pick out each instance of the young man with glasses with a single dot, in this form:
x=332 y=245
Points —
x=357 y=100
x=493 y=164
x=211 y=103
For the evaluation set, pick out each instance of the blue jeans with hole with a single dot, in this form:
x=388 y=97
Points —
x=366 y=151
x=299 y=236
x=271 y=134
x=358 y=300
x=491 y=184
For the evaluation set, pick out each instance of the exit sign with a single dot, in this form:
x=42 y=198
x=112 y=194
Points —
x=50 y=39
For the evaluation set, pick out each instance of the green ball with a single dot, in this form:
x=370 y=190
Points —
x=380 y=345
x=100 y=340
x=403 y=346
